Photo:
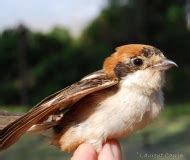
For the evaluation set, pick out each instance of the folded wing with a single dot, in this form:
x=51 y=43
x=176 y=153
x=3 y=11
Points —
x=62 y=99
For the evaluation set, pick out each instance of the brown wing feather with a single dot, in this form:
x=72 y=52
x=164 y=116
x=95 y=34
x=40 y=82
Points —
x=62 y=99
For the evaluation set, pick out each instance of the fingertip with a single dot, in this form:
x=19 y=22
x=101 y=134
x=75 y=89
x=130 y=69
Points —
x=105 y=153
x=111 y=150
x=84 y=152
x=116 y=149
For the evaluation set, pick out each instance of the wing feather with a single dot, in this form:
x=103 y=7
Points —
x=61 y=99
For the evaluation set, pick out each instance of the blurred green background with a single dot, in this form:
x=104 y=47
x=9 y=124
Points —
x=36 y=63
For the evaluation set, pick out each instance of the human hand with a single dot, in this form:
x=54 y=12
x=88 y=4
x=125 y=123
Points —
x=110 y=151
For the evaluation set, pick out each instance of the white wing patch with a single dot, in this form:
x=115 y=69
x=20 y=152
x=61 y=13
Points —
x=94 y=75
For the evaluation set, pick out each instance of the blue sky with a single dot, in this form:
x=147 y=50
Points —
x=44 y=14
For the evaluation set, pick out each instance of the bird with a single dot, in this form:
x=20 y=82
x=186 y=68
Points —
x=111 y=103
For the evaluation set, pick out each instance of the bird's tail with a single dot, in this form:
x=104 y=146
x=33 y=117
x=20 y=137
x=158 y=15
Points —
x=6 y=118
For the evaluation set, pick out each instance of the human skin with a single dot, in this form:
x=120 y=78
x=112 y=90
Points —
x=110 y=151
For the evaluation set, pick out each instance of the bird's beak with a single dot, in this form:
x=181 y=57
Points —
x=164 y=64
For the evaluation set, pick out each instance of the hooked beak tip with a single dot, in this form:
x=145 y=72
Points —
x=172 y=63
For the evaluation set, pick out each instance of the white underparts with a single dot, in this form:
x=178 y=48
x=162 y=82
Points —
x=138 y=101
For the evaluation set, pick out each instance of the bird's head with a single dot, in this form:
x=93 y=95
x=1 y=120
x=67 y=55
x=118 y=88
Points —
x=133 y=57
x=138 y=64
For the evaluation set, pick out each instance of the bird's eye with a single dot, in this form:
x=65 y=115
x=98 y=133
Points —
x=137 y=61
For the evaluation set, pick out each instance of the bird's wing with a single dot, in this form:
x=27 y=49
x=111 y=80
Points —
x=60 y=100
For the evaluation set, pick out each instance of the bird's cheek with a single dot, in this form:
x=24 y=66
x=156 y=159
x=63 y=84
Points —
x=122 y=69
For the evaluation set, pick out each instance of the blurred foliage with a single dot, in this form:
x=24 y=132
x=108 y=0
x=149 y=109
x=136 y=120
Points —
x=34 y=65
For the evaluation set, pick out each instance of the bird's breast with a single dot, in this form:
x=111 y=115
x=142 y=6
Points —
x=125 y=111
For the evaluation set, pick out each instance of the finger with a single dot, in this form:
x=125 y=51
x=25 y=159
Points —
x=110 y=151
x=116 y=149
x=85 y=152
